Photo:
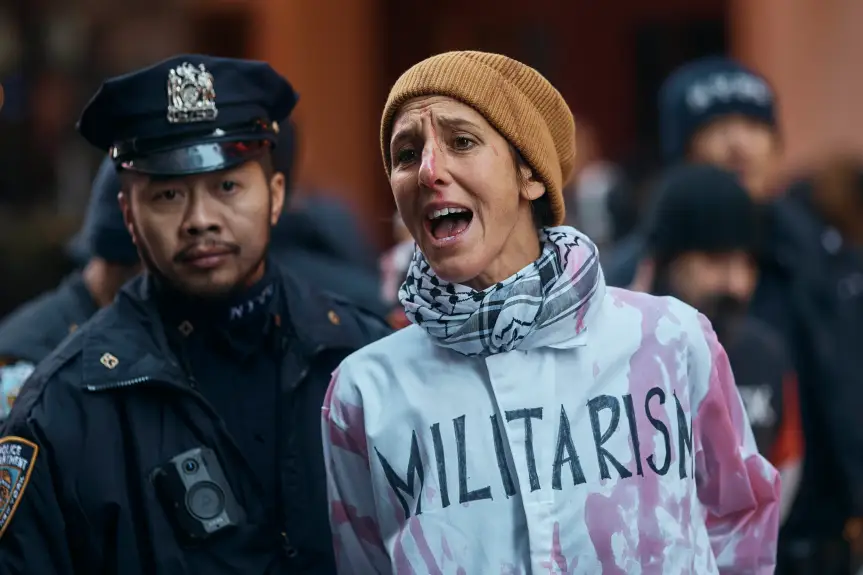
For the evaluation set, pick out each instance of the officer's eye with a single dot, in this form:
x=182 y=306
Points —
x=405 y=156
x=168 y=195
x=228 y=186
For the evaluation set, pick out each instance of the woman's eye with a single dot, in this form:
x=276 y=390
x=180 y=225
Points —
x=462 y=143
x=228 y=186
x=405 y=156
x=167 y=195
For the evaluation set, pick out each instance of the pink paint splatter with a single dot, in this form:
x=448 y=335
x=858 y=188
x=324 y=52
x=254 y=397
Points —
x=742 y=495
x=648 y=368
x=604 y=519
x=402 y=564
x=558 y=559
x=365 y=528
x=416 y=531
x=349 y=434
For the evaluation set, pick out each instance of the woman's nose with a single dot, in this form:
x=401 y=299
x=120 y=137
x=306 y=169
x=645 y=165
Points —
x=431 y=165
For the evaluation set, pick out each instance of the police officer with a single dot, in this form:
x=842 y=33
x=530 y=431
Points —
x=108 y=258
x=178 y=432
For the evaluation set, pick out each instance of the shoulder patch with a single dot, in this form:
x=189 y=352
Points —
x=17 y=457
x=12 y=378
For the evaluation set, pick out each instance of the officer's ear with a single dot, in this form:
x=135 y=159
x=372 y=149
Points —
x=126 y=208
x=277 y=196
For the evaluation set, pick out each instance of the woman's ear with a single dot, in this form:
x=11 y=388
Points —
x=533 y=187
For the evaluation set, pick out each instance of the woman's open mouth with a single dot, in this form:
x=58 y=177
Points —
x=447 y=224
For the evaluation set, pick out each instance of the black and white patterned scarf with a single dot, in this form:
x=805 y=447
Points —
x=541 y=305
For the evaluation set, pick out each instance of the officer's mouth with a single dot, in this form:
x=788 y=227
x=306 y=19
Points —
x=206 y=258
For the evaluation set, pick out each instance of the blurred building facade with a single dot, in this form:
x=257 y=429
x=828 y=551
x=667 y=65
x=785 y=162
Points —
x=607 y=58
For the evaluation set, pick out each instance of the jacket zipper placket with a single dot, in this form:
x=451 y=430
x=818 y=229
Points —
x=288 y=547
x=285 y=401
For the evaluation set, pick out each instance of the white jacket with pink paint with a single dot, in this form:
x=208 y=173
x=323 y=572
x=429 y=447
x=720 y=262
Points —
x=624 y=451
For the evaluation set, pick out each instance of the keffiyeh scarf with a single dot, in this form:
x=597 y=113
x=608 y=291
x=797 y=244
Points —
x=517 y=313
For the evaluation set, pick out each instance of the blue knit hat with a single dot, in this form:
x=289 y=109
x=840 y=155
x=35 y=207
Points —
x=104 y=234
x=705 y=90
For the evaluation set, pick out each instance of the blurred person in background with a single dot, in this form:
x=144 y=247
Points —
x=108 y=257
x=319 y=239
x=179 y=430
x=811 y=290
x=588 y=197
x=703 y=240
x=712 y=110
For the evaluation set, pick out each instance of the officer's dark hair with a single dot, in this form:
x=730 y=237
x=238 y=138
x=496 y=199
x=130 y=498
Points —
x=541 y=207
x=267 y=165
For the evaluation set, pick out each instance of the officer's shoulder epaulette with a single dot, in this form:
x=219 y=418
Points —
x=65 y=353
x=46 y=375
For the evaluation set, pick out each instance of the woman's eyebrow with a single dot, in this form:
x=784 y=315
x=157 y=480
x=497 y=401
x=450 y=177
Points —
x=404 y=133
x=454 y=122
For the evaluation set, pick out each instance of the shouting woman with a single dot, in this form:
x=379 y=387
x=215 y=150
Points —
x=531 y=419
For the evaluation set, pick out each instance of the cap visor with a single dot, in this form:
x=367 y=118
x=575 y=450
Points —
x=196 y=159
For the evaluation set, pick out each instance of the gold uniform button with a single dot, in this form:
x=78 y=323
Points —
x=334 y=317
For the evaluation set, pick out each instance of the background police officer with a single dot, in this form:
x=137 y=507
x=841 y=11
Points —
x=179 y=430
x=319 y=238
x=108 y=259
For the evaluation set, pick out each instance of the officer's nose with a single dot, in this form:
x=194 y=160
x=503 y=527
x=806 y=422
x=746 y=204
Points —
x=200 y=216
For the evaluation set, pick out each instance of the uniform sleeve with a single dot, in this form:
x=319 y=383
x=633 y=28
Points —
x=32 y=526
x=737 y=486
x=357 y=537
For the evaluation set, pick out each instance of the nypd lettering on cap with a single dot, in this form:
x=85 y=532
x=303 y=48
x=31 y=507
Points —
x=17 y=458
x=728 y=87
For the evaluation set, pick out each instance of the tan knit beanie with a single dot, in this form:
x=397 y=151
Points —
x=514 y=98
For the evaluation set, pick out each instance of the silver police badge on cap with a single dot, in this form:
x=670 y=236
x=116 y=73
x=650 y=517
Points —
x=191 y=95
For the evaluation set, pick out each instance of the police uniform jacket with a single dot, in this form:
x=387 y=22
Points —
x=113 y=403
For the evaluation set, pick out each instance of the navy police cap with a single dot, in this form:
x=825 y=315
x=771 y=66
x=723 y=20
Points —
x=188 y=114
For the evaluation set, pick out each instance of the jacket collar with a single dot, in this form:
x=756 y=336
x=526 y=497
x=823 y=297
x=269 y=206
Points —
x=320 y=320
x=125 y=343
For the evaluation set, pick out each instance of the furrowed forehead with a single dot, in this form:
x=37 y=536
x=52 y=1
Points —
x=447 y=114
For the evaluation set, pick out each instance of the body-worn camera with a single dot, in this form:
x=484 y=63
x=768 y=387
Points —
x=196 y=495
